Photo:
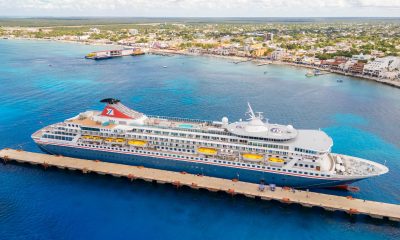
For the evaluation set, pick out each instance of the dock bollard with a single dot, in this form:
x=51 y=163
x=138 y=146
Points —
x=131 y=177
x=231 y=191
x=177 y=184
x=352 y=211
x=5 y=159
x=45 y=165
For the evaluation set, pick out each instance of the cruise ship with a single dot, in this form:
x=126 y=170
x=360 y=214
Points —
x=251 y=150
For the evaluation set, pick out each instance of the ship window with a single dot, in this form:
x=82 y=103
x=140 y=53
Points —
x=243 y=164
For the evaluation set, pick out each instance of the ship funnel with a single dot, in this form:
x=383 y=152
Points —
x=116 y=109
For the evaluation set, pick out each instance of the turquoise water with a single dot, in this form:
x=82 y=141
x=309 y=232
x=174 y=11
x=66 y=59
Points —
x=45 y=82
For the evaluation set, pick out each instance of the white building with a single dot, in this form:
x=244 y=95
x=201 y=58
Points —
x=84 y=37
x=361 y=57
x=269 y=37
x=133 y=31
x=278 y=54
x=347 y=65
x=95 y=30
x=381 y=66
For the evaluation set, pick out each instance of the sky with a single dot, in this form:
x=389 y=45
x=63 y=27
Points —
x=202 y=8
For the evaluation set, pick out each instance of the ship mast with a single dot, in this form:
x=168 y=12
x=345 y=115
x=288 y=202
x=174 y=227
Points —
x=253 y=115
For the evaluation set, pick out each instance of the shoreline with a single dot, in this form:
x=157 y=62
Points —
x=236 y=59
x=391 y=83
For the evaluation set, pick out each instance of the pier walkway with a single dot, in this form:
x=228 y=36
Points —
x=308 y=199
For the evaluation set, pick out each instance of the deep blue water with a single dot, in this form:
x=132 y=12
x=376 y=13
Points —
x=46 y=82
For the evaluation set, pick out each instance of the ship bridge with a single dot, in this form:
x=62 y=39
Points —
x=257 y=128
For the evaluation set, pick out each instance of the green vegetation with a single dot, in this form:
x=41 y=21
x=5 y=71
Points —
x=324 y=38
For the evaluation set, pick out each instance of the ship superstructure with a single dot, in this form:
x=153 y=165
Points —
x=252 y=150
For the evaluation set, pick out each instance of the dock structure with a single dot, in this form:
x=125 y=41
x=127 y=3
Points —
x=328 y=202
x=106 y=54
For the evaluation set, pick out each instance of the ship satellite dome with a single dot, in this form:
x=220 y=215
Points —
x=290 y=128
x=224 y=120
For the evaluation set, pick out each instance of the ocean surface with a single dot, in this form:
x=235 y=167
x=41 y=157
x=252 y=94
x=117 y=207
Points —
x=45 y=82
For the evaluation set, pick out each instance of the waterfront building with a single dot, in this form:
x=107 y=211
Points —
x=357 y=68
x=278 y=54
x=361 y=57
x=380 y=66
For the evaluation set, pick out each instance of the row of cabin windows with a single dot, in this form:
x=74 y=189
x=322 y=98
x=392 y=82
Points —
x=304 y=165
x=207 y=160
x=64 y=133
x=305 y=151
x=213 y=145
x=213 y=138
x=210 y=144
x=57 y=137
x=221 y=146
x=269 y=145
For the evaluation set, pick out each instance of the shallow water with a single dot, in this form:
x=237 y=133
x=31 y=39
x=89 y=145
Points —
x=45 y=82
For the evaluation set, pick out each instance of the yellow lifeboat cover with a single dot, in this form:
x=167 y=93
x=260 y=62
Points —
x=252 y=156
x=204 y=150
x=137 y=142
x=276 y=160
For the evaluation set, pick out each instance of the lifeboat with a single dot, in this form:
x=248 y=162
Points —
x=109 y=140
x=96 y=138
x=276 y=161
x=252 y=157
x=207 y=151
x=119 y=140
x=137 y=143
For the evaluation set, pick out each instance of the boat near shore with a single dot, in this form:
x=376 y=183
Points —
x=106 y=54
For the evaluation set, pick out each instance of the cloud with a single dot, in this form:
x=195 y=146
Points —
x=179 y=7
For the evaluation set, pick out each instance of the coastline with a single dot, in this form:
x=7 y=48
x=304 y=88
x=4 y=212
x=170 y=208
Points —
x=236 y=59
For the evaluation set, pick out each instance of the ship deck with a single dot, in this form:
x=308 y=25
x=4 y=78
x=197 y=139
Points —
x=305 y=198
x=87 y=122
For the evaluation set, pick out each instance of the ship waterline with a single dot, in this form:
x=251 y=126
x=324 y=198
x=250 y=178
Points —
x=252 y=150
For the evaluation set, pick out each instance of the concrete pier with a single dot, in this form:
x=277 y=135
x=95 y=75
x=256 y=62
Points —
x=378 y=210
